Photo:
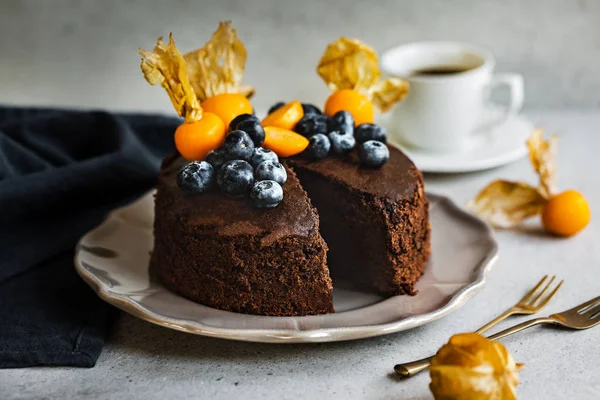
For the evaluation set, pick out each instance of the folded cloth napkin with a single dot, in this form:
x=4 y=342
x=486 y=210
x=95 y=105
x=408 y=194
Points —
x=61 y=171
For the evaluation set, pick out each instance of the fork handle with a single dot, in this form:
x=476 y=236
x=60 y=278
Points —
x=522 y=326
x=496 y=320
x=407 y=370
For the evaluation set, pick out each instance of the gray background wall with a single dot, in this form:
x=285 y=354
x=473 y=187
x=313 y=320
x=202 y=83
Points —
x=83 y=53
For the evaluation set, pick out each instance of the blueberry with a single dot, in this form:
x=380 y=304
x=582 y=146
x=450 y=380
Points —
x=312 y=124
x=238 y=146
x=196 y=177
x=341 y=143
x=365 y=132
x=254 y=129
x=261 y=154
x=270 y=171
x=310 y=109
x=242 y=117
x=318 y=147
x=343 y=122
x=275 y=107
x=216 y=158
x=267 y=194
x=236 y=177
x=373 y=153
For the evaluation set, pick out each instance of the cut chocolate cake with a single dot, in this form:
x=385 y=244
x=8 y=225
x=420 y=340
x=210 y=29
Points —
x=374 y=220
x=223 y=252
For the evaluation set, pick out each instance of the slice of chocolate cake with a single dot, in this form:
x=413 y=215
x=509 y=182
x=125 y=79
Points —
x=374 y=220
x=223 y=252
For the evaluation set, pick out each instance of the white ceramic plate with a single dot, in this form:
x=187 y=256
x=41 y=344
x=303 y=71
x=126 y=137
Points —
x=501 y=145
x=113 y=260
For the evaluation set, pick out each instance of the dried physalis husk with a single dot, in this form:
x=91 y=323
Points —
x=542 y=154
x=472 y=367
x=350 y=64
x=166 y=66
x=218 y=67
x=504 y=203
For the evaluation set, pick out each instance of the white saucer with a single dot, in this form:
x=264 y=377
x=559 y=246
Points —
x=500 y=145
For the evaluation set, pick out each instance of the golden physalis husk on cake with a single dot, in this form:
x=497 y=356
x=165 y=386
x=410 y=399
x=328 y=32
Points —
x=204 y=86
x=218 y=67
x=471 y=367
x=166 y=66
x=350 y=69
x=505 y=204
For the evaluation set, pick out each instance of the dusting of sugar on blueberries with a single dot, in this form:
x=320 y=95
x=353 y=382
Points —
x=236 y=177
x=216 y=158
x=270 y=171
x=241 y=166
x=261 y=154
x=196 y=177
x=365 y=132
x=318 y=147
x=254 y=129
x=312 y=124
x=266 y=194
x=341 y=143
x=373 y=153
x=238 y=146
x=343 y=122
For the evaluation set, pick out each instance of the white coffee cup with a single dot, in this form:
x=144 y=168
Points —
x=446 y=112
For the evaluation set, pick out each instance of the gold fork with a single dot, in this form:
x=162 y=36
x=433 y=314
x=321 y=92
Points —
x=584 y=316
x=531 y=303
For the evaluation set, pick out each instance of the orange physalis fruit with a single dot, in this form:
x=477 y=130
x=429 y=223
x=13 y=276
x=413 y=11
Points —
x=195 y=139
x=227 y=106
x=505 y=203
x=286 y=116
x=471 y=367
x=355 y=103
x=350 y=69
x=566 y=213
x=284 y=142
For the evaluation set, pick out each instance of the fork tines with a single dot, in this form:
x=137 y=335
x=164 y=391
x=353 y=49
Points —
x=534 y=297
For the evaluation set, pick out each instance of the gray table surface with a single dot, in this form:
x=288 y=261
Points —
x=146 y=361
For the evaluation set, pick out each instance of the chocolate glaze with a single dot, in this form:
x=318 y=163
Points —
x=395 y=180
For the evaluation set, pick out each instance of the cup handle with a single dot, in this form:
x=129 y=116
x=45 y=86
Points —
x=515 y=85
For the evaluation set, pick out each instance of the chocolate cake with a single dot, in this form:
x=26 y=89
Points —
x=375 y=220
x=221 y=251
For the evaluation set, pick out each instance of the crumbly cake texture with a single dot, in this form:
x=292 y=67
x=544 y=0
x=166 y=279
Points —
x=375 y=221
x=223 y=252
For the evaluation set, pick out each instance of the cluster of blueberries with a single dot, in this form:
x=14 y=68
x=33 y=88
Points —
x=239 y=166
x=242 y=166
x=338 y=135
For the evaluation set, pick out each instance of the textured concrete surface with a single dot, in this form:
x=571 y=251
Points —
x=83 y=53
x=145 y=361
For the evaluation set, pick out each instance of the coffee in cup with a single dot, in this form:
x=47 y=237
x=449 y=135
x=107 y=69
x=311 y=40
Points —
x=450 y=83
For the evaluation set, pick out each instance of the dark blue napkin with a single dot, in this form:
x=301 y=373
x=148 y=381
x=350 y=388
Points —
x=60 y=173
